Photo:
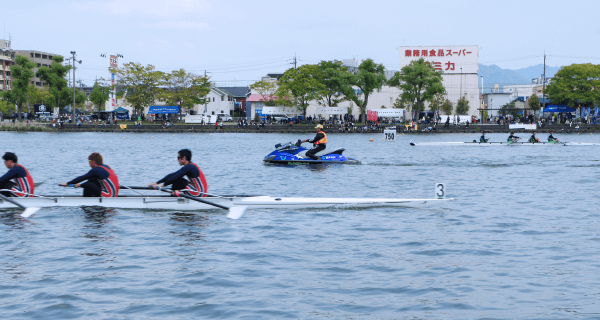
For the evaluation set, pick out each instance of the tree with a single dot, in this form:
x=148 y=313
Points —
x=22 y=72
x=267 y=90
x=54 y=77
x=576 y=84
x=534 y=102
x=447 y=107
x=301 y=84
x=368 y=77
x=141 y=83
x=419 y=82
x=436 y=102
x=40 y=96
x=80 y=98
x=99 y=95
x=330 y=74
x=509 y=108
x=462 y=106
x=185 y=89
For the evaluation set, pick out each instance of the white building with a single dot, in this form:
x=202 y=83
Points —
x=218 y=102
x=460 y=68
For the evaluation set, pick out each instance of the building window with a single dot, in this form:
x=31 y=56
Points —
x=213 y=113
x=213 y=100
x=222 y=98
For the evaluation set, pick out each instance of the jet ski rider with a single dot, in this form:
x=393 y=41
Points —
x=319 y=143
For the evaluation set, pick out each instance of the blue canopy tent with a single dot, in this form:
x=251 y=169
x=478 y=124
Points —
x=558 y=108
x=121 y=113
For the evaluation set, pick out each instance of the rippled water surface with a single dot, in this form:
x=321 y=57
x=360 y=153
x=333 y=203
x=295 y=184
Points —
x=520 y=241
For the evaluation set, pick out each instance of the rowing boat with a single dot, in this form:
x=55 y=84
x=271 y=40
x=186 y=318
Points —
x=251 y=202
x=487 y=144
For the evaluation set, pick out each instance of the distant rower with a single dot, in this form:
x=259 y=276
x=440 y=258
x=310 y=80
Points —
x=533 y=138
x=482 y=139
x=101 y=179
x=512 y=137
x=551 y=138
x=196 y=185
x=22 y=182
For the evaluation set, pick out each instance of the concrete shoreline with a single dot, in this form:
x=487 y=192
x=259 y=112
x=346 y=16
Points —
x=297 y=128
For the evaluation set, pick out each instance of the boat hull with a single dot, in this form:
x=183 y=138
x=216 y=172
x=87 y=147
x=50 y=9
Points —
x=253 y=202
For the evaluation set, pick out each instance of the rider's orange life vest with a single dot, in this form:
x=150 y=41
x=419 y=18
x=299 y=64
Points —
x=323 y=140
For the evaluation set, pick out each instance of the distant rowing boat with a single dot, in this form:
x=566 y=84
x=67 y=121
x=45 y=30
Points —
x=485 y=144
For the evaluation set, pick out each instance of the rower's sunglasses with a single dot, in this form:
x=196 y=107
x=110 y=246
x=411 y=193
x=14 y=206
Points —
x=179 y=157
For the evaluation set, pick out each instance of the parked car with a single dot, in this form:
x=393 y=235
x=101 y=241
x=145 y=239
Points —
x=279 y=117
x=224 y=117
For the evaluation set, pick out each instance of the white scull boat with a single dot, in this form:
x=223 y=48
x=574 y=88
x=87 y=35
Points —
x=251 y=202
x=487 y=144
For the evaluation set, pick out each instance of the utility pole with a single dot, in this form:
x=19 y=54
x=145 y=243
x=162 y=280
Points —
x=544 y=85
x=294 y=63
x=73 y=106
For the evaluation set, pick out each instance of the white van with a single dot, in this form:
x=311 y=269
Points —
x=224 y=117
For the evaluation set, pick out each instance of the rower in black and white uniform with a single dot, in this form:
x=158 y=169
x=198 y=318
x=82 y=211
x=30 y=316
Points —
x=512 y=137
x=533 y=138
x=482 y=139
x=551 y=138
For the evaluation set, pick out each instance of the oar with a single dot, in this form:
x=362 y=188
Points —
x=235 y=212
x=27 y=212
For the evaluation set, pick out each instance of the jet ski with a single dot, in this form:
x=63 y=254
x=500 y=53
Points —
x=291 y=153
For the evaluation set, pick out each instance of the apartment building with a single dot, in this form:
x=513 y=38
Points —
x=7 y=56
x=42 y=59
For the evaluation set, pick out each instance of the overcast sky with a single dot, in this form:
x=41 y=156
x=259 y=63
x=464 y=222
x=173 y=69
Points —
x=238 y=41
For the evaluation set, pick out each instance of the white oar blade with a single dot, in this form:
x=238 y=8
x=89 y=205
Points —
x=236 y=212
x=29 y=212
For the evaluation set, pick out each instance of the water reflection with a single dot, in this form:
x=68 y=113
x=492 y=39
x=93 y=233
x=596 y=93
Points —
x=189 y=226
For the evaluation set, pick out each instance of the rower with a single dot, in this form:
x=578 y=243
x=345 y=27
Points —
x=101 y=179
x=319 y=142
x=533 y=139
x=196 y=185
x=551 y=138
x=512 y=137
x=22 y=183
x=482 y=139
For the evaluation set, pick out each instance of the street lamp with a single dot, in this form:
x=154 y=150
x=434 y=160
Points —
x=74 y=60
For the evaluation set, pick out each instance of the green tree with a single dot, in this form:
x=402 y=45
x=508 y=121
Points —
x=331 y=75
x=55 y=79
x=22 y=72
x=5 y=108
x=185 y=89
x=267 y=90
x=462 y=106
x=509 y=108
x=419 y=82
x=368 y=77
x=99 y=95
x=436 y=102
x=576 y=84
x=80 y=98
x=40 y=96
x=142 y=84
x=301 y=84
x=534 y=102
x=447 y=107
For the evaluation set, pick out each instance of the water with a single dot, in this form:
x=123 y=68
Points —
x=520 y=241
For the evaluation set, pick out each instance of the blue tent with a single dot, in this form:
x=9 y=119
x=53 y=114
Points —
x=558 y=108
x=163 y=109
x=121 y=113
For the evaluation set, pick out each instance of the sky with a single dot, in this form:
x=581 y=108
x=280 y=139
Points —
x=237 y=42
